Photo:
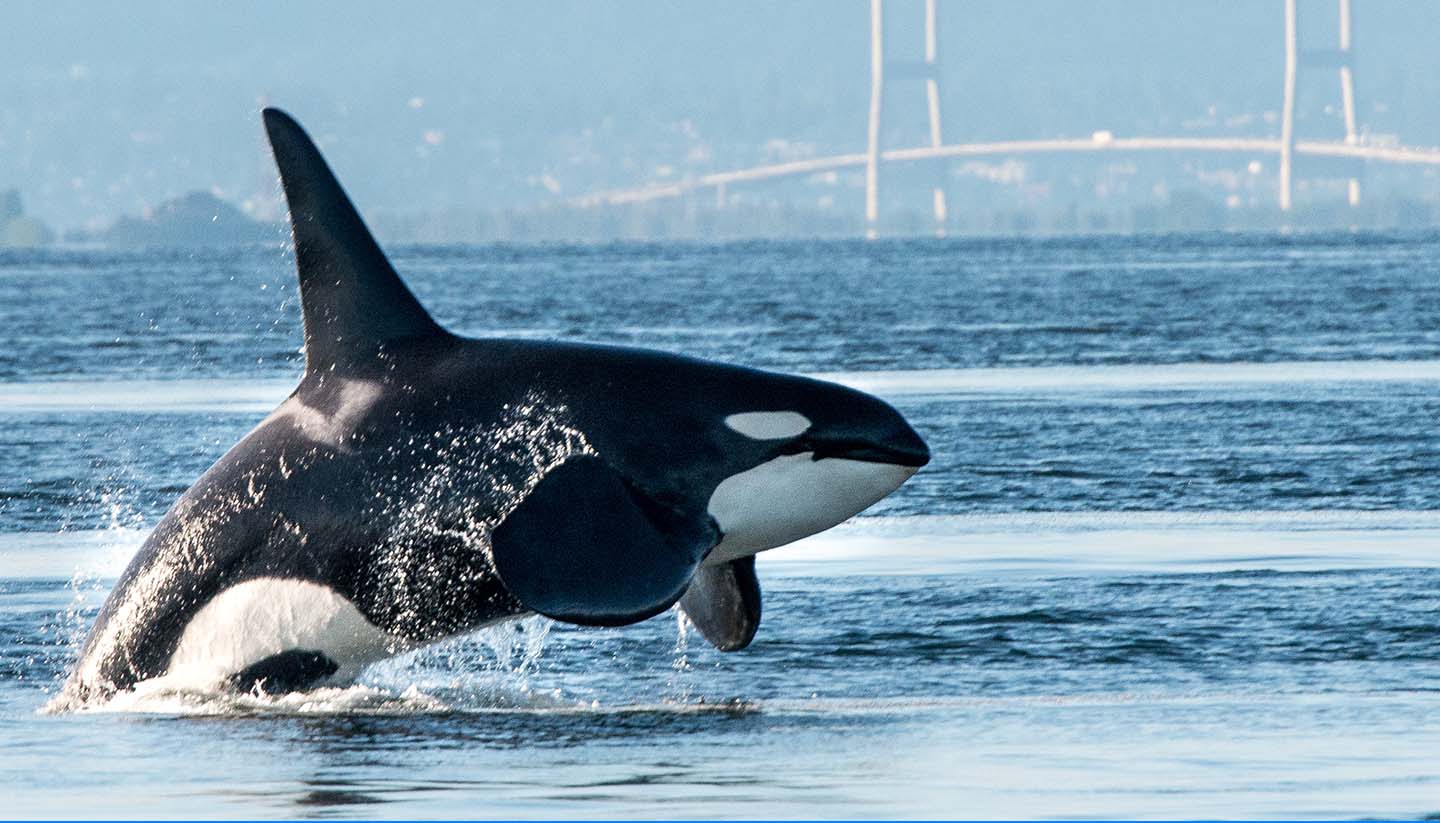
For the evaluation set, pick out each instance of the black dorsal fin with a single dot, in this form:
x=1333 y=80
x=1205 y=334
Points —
x=353 y=301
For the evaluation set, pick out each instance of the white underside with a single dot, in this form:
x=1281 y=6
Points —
x=259 y=618
x=795 y=496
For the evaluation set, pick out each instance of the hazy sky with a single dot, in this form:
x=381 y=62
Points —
x=107 y=108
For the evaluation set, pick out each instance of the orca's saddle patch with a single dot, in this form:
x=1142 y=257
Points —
x=723 y=602
x=288 y=671
x=586 y=546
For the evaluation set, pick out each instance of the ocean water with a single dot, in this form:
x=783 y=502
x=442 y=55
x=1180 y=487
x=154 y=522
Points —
x=1177 y=555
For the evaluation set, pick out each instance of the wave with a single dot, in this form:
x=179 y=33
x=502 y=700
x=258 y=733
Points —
x=381 y=701
x=237 y=396
x=1168 y=377
x=158 y=698
x=68 y=555
x=261 y=395
x=1023 y=543
x=1064 y=543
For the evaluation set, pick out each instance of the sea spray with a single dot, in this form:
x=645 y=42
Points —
x=88 y=584
x=491 y=668
x=680 y=685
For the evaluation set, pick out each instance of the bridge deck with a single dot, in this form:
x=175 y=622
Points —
x=1243 y=145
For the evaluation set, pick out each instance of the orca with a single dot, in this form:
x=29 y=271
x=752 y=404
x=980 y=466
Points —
x=418 y=484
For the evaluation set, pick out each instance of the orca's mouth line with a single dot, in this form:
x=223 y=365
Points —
x=913 y=456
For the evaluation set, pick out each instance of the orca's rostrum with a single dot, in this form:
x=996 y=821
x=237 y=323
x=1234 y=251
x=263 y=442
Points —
x=419 y=484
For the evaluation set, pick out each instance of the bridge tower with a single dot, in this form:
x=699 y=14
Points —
x=883 y=72
x=1341 y=58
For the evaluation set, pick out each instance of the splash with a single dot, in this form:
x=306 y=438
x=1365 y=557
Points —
x=494 y=667
x=87 y=584
x=148 y=588
x=160 y=697
x=489 y=670
x=441 y=495
x=155 y=698
x=681 y=683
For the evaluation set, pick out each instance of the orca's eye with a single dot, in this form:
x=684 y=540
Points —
x=769 y=425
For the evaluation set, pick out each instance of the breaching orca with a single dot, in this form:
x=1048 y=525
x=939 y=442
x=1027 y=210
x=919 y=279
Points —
x=419 y=484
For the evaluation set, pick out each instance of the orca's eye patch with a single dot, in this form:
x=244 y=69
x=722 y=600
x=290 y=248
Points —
x=768 y=425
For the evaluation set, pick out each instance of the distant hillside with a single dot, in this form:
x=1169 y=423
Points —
x=18 y=229
x=454 y=107
x=196 y=219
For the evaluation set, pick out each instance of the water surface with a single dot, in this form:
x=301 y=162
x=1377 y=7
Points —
x=1176 y=555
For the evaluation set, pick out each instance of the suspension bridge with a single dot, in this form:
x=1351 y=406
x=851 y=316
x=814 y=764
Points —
x=886 y=72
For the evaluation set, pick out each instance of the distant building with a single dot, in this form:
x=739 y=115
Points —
x=196 y=219
x=17 y=230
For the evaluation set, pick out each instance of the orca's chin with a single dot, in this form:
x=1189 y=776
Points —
x=794 y=496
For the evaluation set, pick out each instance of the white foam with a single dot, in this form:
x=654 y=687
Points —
x=161 y=697
x=153 y=697
x=158 y=697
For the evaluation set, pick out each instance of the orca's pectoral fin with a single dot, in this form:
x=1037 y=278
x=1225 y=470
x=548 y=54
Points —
x=586 y=546
x=724 y=603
